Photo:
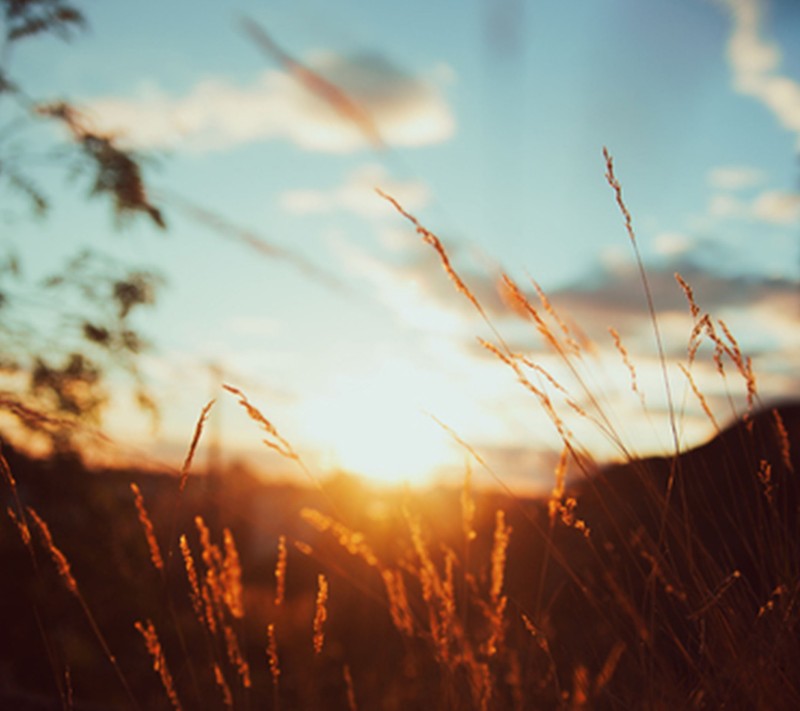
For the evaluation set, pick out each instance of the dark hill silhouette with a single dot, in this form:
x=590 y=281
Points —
x=694 y=557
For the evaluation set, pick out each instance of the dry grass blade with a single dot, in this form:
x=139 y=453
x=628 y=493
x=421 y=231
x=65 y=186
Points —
x=722 y=588
x=320 y=613
x=331 y=94
x=19 y=518
x=231 y=575
x=700 y=397
x=580 y=688
x=609 y=667
x=544 y=399
x=783 y=438
x=280 y=572
x=277 y=443
x=496 y=610
x=194 y=583
x=620 y=346
x=198 y=431
x=60 y=560
x=69 y=696
x=566 y=509
x=274 y=665
x=22 y=527
x=502 y=536
x=399 y=608
x=522 y=305
x=557 y=494
x=617 y=188
x=147 y=527
x=629 y=607
x=687 y=289
x=65 y=573
x=236 y=656
x=222 y=685
x=156 y=651
x=437 y=245
x=765 y=477
x=540 y=638
x=272 y=654
x=37 y=420
x=351 y=693
x=226 y=229
x=274 y=440
x=6 y=471
x=485 y=465
x=572 y=343
x=468 y=505
x=352 y=541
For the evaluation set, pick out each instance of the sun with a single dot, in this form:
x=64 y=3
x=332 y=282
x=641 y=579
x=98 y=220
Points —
x=374 y=426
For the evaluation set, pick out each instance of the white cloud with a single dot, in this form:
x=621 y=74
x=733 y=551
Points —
x=725 y=206
x=671 y=244
x=735 y=177
x=358 y=195
x=755 y=61
x=218 y=113
x=406 y=291
x=776 y=207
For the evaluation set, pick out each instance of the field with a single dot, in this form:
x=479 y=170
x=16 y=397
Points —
x=669 y=582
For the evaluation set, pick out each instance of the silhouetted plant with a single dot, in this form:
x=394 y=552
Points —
x=56 y=371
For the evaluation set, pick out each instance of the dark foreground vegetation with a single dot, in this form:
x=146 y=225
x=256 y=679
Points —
x=671 y=583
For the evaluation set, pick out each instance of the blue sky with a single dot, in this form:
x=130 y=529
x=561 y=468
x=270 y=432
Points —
x=495 y=115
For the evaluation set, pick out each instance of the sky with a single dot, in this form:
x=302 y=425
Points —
x=487 y=122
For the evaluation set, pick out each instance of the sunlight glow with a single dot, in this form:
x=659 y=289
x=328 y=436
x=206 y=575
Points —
x=374 y=426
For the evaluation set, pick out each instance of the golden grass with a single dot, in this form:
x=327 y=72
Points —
x=397 y=596
x=608 y=602
x=783 y=436
x=280 y=572
x=352 y=541
x=272 y=654
x=60 y=560
x=273 y=439
x=320 y=613
x=147 y=527
x=351 y=693
x=222 y=684
x=155 y=650
x=194 y=584
x=626 y=359
x=198 y=431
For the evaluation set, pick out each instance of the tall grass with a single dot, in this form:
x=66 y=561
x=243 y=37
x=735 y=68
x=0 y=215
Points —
x=669 y=582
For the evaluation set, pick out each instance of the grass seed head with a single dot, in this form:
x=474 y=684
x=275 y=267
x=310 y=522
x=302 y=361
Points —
x=147 y=527
x=320 y=613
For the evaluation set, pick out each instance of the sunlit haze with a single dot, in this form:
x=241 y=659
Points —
x=318 y=299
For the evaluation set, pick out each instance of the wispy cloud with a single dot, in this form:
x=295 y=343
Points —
x=733 y=197
x=357 y=194
x=724 y=206
x=774 y=207
x=756 y=60
x=611 y=297
x=735 y=177
x=777 y=207
x=672 y=244
x=406 y=290
x=218 y=113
